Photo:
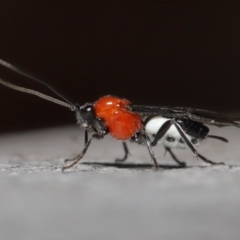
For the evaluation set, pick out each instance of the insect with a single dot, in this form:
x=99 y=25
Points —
x=174 y=127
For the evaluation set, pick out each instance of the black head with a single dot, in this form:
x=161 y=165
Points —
x=85 y=114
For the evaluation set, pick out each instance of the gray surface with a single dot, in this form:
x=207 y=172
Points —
x=106 y=202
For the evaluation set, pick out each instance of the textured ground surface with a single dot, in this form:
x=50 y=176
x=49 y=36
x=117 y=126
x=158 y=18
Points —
x=101 y=200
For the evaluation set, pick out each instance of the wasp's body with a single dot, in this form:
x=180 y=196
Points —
x=173 y=127
x=194 y=131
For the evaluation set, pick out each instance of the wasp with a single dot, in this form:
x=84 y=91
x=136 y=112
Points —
x=173 y=127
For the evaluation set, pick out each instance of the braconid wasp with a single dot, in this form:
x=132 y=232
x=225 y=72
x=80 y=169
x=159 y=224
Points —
x=173 y=127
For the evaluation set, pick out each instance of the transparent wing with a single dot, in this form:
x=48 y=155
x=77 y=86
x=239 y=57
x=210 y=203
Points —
x=199 y=115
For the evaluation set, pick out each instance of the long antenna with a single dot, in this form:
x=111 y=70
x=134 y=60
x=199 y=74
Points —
x=41 y=95
x=21 y=72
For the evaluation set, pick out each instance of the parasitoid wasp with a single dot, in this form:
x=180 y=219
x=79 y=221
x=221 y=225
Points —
x=174 y=127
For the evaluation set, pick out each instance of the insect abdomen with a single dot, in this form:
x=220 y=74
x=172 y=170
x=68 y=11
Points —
x=172 y=138
x=194 y=129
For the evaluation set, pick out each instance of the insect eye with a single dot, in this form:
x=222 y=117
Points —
x=88 y=109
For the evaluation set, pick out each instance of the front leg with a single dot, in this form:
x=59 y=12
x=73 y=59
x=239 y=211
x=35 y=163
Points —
x=85 y=143
x=82 y=154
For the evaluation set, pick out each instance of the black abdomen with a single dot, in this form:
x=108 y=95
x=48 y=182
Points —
x=194 y=129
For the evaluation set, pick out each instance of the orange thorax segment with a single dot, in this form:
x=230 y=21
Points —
x=121 y=122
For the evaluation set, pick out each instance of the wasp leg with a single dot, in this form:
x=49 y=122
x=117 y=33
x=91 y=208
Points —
x=86 y=137
x=209 y=161
x=192 y=148
x=174 y=157
x=85 y=142
x=149 y=147
x=79 y=156
x=161 y=132
x=126 y=153
x=218 y=138
x=82 y=154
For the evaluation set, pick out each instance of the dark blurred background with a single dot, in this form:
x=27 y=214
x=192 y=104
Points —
x=176 y=53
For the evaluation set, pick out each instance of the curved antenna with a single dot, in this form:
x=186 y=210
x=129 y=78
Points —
x=21 y=72
x=41 y=95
